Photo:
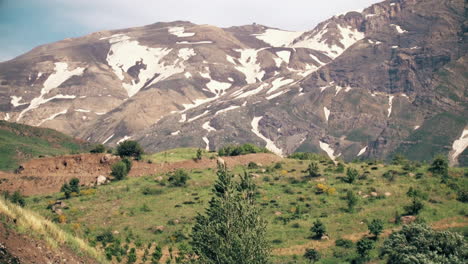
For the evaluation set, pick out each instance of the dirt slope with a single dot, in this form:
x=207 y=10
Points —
x=47 y=175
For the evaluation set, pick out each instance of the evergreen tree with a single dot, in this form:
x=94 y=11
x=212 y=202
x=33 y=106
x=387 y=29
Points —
x=199 y=154
x=318 y=229
x=352 y=200
x=231 y=231
x=313 y=170
x=375 y=227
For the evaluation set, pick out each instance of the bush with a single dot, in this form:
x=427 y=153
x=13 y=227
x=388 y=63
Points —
x=98 y=149
x=252 y=165
x=363 y=247
x=312 y=255
x=306 y=156
x=70 y=188
x=415 y=207
x=130 y=148
x=390 y=175
x=318 y=228
x=119 y=170
x=151 y=191
x=178 y=178
x=340 y=168
x=418 y=243
x=199 y=154
x=313 y=170
x=16 y=198
x=352 y=200
x=236 y=150
x=462 y=196
x=344 y=243
x=128 y=164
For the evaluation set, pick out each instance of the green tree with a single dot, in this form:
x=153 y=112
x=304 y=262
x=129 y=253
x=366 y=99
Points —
x=318 y=228
x=418 y=243
x=351 y=175
x=313 y=170
x=312 y=255
x=352 y=200
x=119 y=170
x=75 y=185
x=415 y=207
x=130 y=148
x=199 y=154
x=231 y=231
x=439 y=167
x=363 y=247
x=375 y=227
x=128 y=164
x=131 y=258
x=16 y=198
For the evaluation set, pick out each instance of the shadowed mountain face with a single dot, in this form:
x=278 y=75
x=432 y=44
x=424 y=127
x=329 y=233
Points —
x=391 y=79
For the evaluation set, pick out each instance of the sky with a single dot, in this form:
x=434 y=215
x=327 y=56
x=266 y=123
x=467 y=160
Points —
x=25 y=24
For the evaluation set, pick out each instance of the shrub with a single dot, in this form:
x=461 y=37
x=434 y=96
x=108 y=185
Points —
x=151 y=191
x=363 y=247
x=199 y=154
x=278 y=166
x=178 y=178
x=340 y=168
x=306 y=156
x=130 y=148
x=236 y=150
x=16 y=198
x=390 y=175
x=415 y=207
x=157 y=255
x=462 y=196
x=70 y=188
x=313 y=170
x=312 y=255
x=128 y=164
x=351 y=175
x=98 y=149
x=318 y=228
x=352 y=200
x=418 y=243
x=344 y=243
x=252 y=165
x=119 y=170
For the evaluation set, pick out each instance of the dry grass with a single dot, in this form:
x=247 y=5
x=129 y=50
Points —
x=36 y=225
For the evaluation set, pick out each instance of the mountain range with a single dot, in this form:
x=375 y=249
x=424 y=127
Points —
x=362 y=85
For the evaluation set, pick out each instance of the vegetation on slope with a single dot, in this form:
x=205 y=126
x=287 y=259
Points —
x=20 y=142
x=151 y=218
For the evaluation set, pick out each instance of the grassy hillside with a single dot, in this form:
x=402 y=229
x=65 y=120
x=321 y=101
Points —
x=144 y=212
x=22 y=142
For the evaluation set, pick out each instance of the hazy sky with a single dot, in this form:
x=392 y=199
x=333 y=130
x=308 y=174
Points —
x=25 y=24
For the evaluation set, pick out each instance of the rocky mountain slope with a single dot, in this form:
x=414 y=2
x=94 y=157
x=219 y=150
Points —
x=368 y=84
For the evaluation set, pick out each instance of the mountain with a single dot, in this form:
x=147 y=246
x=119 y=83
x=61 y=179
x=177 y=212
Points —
x=390 y=79
x=19 y=143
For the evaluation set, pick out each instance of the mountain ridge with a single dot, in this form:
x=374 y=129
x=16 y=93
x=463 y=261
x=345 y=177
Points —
x=202 y=86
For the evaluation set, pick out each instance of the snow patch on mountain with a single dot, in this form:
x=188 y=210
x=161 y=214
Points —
x=317 y=41
x=198 y=116
x=53 y=81
x=207 y=127
x=195 y=42
x=270 y=145
x=398 y=29
x=126 y=53
x=232 y=107
x=326 y=111
x=52 y=117
x=284 y=55
x=175 y=133
x=279 y=83
x=82 y=110
x=459 y=145
x=123 y=139
x=186 y=53
x=362 y=151
x=278 y=38
x=252 y=92
x=180 y=32
x=390 y=105
x=207 y=141
x=330 y=152
x=15 y=101
x=107 y=139
x=275 y=95
x=248 y=65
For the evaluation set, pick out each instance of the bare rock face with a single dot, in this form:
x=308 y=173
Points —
x=390 y=79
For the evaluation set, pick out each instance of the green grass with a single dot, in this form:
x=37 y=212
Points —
x=19 y=143
x=174 y=155
x=122 y=206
